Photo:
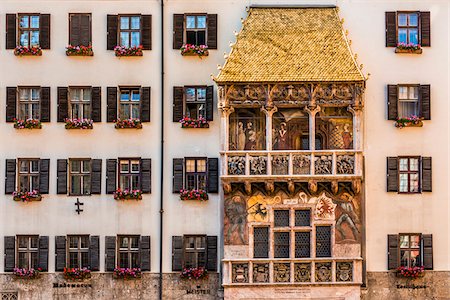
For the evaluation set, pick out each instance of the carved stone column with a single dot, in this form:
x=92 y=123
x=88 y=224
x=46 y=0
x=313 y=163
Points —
x=357 y=126
x=312 y=111
x=225 y=126
x=269 y=111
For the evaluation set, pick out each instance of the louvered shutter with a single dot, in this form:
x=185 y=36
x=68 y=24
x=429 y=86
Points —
x=63 y=103
x=146 y=32
x=392 y=101
x=178 y=170
x=11 y=31
x=145 y=104
x=45 y=104
x=391 y=29
x=211 y=246
x=96 y=112
x=111 y=104
x=43 y=253
x=178 y=31
x=10 y=180
x=392 y=174
x=96 y=176
x=94 y=253
x=44 y=31
x=110 y=253
x=427 y=250
x=44 y=169
x=11 y=103
x=144 y=250
x=60 y=251
x=426 y=174
x=212 y=32
x=425 y=101
x=213 y=175
x=146 y=175
x=112 y=21
x=74 y=29
x=177 y=103
x=61 y=180
x=111 y=169
x=393 y=251
x=425 y=29
x=85 y=30
x=10 y=253
x=177 y=253
x=210 y=103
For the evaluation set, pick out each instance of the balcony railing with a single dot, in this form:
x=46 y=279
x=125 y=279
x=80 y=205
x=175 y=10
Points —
x=295 y=163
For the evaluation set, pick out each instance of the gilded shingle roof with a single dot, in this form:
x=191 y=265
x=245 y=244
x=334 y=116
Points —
x=291 y=45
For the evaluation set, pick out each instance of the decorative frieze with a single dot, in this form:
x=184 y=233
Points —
x=301 y=164
x=236 y=165
x=281 y=272
x=280 y=165
x=345 y=164
x=240 y=273
x=302 y=272
x=323 y=271
x=344 y=271
x=261 y=273
x=323 y=165
x=258 y=165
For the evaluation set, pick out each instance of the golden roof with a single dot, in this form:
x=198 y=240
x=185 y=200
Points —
x=291 y=45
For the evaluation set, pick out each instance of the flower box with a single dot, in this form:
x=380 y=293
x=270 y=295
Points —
x=27 y=124
x=79 y=124
x=408 y=48
x=79 y=51
x=77 y=273
x=193 y=50
x=127 y=194
x=27 y=196
x=413 y=121
x=187 y=122
x=128 y=123
x=127 y=273
x=199 y=195
x=122 y=51
x=27 y=51
x=194 y=273
x=411 y=272
x=24 y=273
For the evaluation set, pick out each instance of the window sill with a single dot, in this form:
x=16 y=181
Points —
x=127 y=195
x=187 y=122
x=27 y=198
x=27 y=124
x=128 y=124
x=408 y=51
x=79 y=54
x=120 y=51
x=401 y=125
x=193 y=195
x=194 y=50
x=195 y=126
x=27 y=51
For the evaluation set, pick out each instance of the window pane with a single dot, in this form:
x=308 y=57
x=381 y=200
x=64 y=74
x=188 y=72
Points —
x=124 y=183
x=201 y=165
x=73 y=260
x=201 y=37
x=191 y=37
x=34 y=260
x=190 y=260
x=75 y=166
x=403 y=92
x=86 y=184
x=84 y=259
x=35 y=111
x=23 y=166
x=73 y=242
x=402 y=35
x=281 y=218
x=415 y=241
x=415 y=258
x=413 y=19
x=123 y=259
x=414 y=183
x=34 y=183
x=413 y=92
x=414 y=164
x=86 y=94
x=23 y=183
x=124 y=166
x=135 y=22
x=403 y=186
x=123 y=242
x=75 y=186
x=201 y=94
x=201 y=22
x=201 y=259
x=33 y=242
x=282 y=241
x=134 y=241
x=190 y=21
x=135 y=96
x=200 y=243
x=134 y=260
x=403 y=164
x=24 y=39
x=124 y=96
x=404 y=241
x=135 y=39
x=135 y=166
x=135 y=111
x=23 y=260
x=22 y=242
x=24 y=94
x=190 y=94
x=124 y=22
x=402 y=19
x=135 y=182
x=190 y=243
x=190 y=165
x=34 y=38
x=201 y=182
x=124 y=111
x=34 y=166
x=86 y=109
x=84 y=242
x=414 y=36
x=124 y=39
x=34 y=22
x=404 y=258
x=24 y=21
x=407 y=109
x=76 y=111
x=35 y=94
x=86 y=166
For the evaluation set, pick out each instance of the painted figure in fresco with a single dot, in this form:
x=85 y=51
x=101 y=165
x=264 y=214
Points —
x=241 y=136
x=236 y=212
x=282 y=137
x=251 y=137
x=348 y=216
x=347 y=137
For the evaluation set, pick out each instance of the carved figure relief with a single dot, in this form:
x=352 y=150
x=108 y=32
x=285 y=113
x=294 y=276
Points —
x=281 y=272
x=280 y=165
x=345 y=164
x=302 y=272
x=302 y=164
x=258 y=165
x=235 y=223
x=344 y=271
x=236 y=165
x=323 y=164
x=260 y=272
x=239 y=273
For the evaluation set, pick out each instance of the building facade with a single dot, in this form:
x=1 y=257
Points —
x=284 y=188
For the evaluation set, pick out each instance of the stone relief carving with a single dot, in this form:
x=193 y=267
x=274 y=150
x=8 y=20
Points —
x=324 y=207
x=302 y=272
x=298 y=94
x=323 y=165
x=258 y=165
x=280 y=165
x=260 y=272
x=248 y=94
x=344 y=271
x=302 y=164
x=323 y=271
x=239 y=273
x=345 y=164
x=236 y=165
x=281 y=272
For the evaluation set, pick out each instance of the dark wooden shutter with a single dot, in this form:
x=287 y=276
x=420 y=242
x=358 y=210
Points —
x=85 y=30
x=392 y=174
x=74 y=29
x=60 y=251
x=11 y=103
x=425 y=29
x=210 y=103
x=10 y=179
x=61 y=179
x=425 y=101
x=177 y=103
x=63 y=103
x=44 y=169
x=96 y=176
x=178 y=31
x=212 y=32
x=110 y=253
x=146 y=32
x=211 y=246
x=144 y=249
x=44 y=31
x=94 y=253
x=43 y=253
x=177 y=253
x=10 y=253
x=178 y=170
x=111 y=102
x=393 y=260
x=392 y=101
x=96 y=112
x=426 y=174
x=145 y=104
x=391 y=29
x=45 y=104
x=111 y=169
x=427 y=250
x=213 y=175
x=146 y=175
x=11 y=31
x=112 y=21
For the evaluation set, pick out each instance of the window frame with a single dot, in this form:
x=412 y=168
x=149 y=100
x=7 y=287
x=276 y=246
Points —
x=195 y=29
x=79 y=250
x=80 y=174
x=29 y=102
x=409 y=248
x=195 y=102
x=129 y=103
x=29 y=173
x=129 y=174
x=419 y=34
x=419 y=100
x=129 y=30
x=129 y=251
x=80 y=102
x=419 y=174
x=28 y=251
x=90 y=27
x=196 y=174
x=28 y=29
x=195 y=250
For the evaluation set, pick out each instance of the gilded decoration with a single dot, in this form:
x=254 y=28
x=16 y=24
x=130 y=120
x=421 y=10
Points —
x=281 y=272
x=240 y=273
x=323 y=165
x=323 y=271
x=345 y=164
x=258 y=165
x=344 y=271
x=260 y=272
x=302 y=272
x=236 y=165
